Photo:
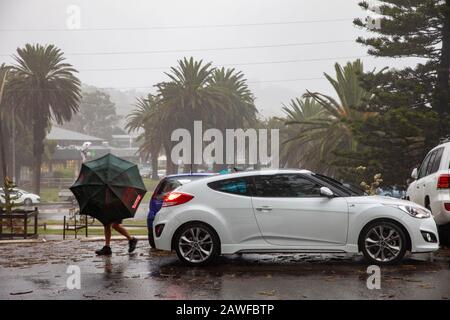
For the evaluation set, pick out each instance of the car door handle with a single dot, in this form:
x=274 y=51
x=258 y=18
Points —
x=264 y=208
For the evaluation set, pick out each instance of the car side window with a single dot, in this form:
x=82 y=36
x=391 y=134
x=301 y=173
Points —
x=239 y=186
x=423 y=167
x=285 y=186
x=437 y=160
x=431 y=163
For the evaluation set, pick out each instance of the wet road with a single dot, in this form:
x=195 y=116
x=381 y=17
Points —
x=38 y=271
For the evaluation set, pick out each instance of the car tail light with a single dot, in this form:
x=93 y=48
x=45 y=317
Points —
x=444 y=181
x=176 y=198
x=447 y=206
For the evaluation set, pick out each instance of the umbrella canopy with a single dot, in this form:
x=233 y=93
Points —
x=109 y=189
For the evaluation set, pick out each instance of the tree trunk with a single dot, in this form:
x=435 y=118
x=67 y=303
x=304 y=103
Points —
x=154 y=161
x=39 y=125
x=443 y=90
x=4 y=170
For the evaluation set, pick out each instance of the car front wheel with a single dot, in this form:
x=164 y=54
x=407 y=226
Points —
x=28 y=202
x=383 y=242
x=197 y=244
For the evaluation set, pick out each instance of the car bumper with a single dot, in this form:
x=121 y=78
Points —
x=419 y=227
x=164 y=241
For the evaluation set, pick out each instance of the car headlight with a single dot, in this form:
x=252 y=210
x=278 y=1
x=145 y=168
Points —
x=415 y=212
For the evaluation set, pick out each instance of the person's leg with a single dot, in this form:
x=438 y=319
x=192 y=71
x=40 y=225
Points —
x=132 y=241
x=120 y=229
x=106 y=250
x=107 y=234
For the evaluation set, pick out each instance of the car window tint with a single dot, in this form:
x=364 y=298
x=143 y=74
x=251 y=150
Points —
x=437 y=160
x=431 y=163
x=286 y=186
x=239 y=186
x=423 y=167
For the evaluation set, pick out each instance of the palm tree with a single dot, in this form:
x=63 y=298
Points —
x=235 y=104
x=146 y=117
x=45 y=88
x=295 y=151
x=185 y=99
x=330 y=130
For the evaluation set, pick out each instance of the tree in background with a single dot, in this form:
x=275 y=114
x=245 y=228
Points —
x=324 y=124
x=297 y=152
x=146 y=117
x=4 y=70
x=412 y=103
x=97 y=116
x=45 y=88
x=235 y=106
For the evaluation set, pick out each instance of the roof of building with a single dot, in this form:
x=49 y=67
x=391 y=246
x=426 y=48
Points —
x=60 y=134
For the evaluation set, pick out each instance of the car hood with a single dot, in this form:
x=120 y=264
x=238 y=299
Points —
x=380 y=200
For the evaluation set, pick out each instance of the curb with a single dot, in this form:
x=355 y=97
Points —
x=113 y=238
x=22 y=241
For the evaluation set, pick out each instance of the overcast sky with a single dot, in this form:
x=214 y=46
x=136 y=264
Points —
x=124 y=35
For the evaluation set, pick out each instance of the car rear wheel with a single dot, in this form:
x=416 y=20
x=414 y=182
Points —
x=197 y=244
x=383 y=242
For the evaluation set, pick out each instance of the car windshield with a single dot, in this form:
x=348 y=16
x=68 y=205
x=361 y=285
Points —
x=347 y=189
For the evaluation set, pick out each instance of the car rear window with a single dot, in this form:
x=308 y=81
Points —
x=170 y=184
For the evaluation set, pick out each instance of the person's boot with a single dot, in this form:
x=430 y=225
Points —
x=105 y=251
x=132 y=245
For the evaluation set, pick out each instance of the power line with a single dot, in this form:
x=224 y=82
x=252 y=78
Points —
x=298 y=44
x=225 y=65
x=150 y=87
x=175 y=27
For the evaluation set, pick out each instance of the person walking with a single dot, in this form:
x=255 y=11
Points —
x=106 y=250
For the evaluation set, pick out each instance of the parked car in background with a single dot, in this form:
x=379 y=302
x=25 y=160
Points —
x=22 y=197
x=288 y=211
x=67 y=196
x=431 y=187
x=165 y=186
x=394 y=192
x=145 y=172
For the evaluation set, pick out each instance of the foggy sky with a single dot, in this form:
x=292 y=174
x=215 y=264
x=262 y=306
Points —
x=44 y=21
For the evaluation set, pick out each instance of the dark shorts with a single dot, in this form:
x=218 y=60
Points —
x=118 y=221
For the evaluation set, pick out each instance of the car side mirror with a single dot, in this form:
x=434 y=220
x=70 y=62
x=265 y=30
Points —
x=414 y=174
x=326 y=192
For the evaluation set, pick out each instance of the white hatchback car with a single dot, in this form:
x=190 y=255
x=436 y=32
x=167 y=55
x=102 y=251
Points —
x=288 y=211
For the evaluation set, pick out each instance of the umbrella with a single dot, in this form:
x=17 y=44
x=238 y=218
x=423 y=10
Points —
x=109 y=189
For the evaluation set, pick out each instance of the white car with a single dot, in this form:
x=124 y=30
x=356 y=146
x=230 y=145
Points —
x=22 y=197
x=288 y=211
x=431 y=187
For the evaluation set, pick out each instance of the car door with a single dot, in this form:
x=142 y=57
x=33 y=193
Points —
x=418 y=193
x=432 y=175
x=290 y=211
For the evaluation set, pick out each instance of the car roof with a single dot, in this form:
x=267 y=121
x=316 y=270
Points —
x=192 y=174
x=252 y=173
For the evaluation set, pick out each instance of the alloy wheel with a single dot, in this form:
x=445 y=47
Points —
x=383 y=243
x=196 y=244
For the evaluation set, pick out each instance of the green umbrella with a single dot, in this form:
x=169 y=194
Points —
x=109 y=189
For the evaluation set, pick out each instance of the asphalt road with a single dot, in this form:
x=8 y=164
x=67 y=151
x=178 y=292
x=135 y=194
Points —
x=38 y=271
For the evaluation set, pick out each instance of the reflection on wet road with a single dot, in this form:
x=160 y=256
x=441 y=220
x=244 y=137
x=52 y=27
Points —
x=38 y=271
